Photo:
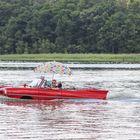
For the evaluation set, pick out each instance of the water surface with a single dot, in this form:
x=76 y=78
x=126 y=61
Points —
x=112 y=119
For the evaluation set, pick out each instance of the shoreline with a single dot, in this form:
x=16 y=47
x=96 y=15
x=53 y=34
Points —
x=74 y=58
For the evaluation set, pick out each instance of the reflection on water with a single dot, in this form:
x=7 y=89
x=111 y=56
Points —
x=117 y=118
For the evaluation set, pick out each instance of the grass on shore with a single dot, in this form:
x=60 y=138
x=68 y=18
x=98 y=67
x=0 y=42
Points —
x=107 y=58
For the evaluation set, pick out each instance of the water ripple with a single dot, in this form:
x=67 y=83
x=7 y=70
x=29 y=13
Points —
x=113 y=119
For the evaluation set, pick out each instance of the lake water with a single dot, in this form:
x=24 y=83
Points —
x=117 y=118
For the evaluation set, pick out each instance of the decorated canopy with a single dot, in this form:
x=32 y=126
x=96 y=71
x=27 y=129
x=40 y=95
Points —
x=54 y=68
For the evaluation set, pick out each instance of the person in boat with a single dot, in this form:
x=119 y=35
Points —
x=56 y=85
x=47 y=84
x=59 y=85
x=44 y=83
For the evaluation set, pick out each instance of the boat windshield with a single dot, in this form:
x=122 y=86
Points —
x=43 y=84
x=34 y=83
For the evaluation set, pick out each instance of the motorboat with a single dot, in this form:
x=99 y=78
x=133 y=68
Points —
x=40 y=92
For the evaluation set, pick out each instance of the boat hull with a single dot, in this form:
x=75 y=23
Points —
x=52 y=94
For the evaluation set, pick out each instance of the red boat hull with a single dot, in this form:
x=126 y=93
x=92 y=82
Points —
x=51 y=94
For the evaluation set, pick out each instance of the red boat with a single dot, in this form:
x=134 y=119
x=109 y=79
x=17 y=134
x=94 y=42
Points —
x=42 y=89
x=51 y=94
x=37 y=91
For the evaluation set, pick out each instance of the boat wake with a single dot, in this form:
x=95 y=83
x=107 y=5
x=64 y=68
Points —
x=123 y=96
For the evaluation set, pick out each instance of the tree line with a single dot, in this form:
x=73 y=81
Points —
x=69 y=26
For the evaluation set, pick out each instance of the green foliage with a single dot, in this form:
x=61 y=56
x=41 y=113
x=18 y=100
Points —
x=69 y=26
x=109 y=58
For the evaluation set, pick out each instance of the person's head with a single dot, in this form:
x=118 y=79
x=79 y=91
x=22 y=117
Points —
x=59 y=85
x=53 y=82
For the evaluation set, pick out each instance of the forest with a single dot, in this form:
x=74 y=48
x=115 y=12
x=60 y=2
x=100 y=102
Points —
x=69 y=26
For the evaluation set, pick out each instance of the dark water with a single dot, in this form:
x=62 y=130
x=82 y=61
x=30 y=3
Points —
x=117 y=118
